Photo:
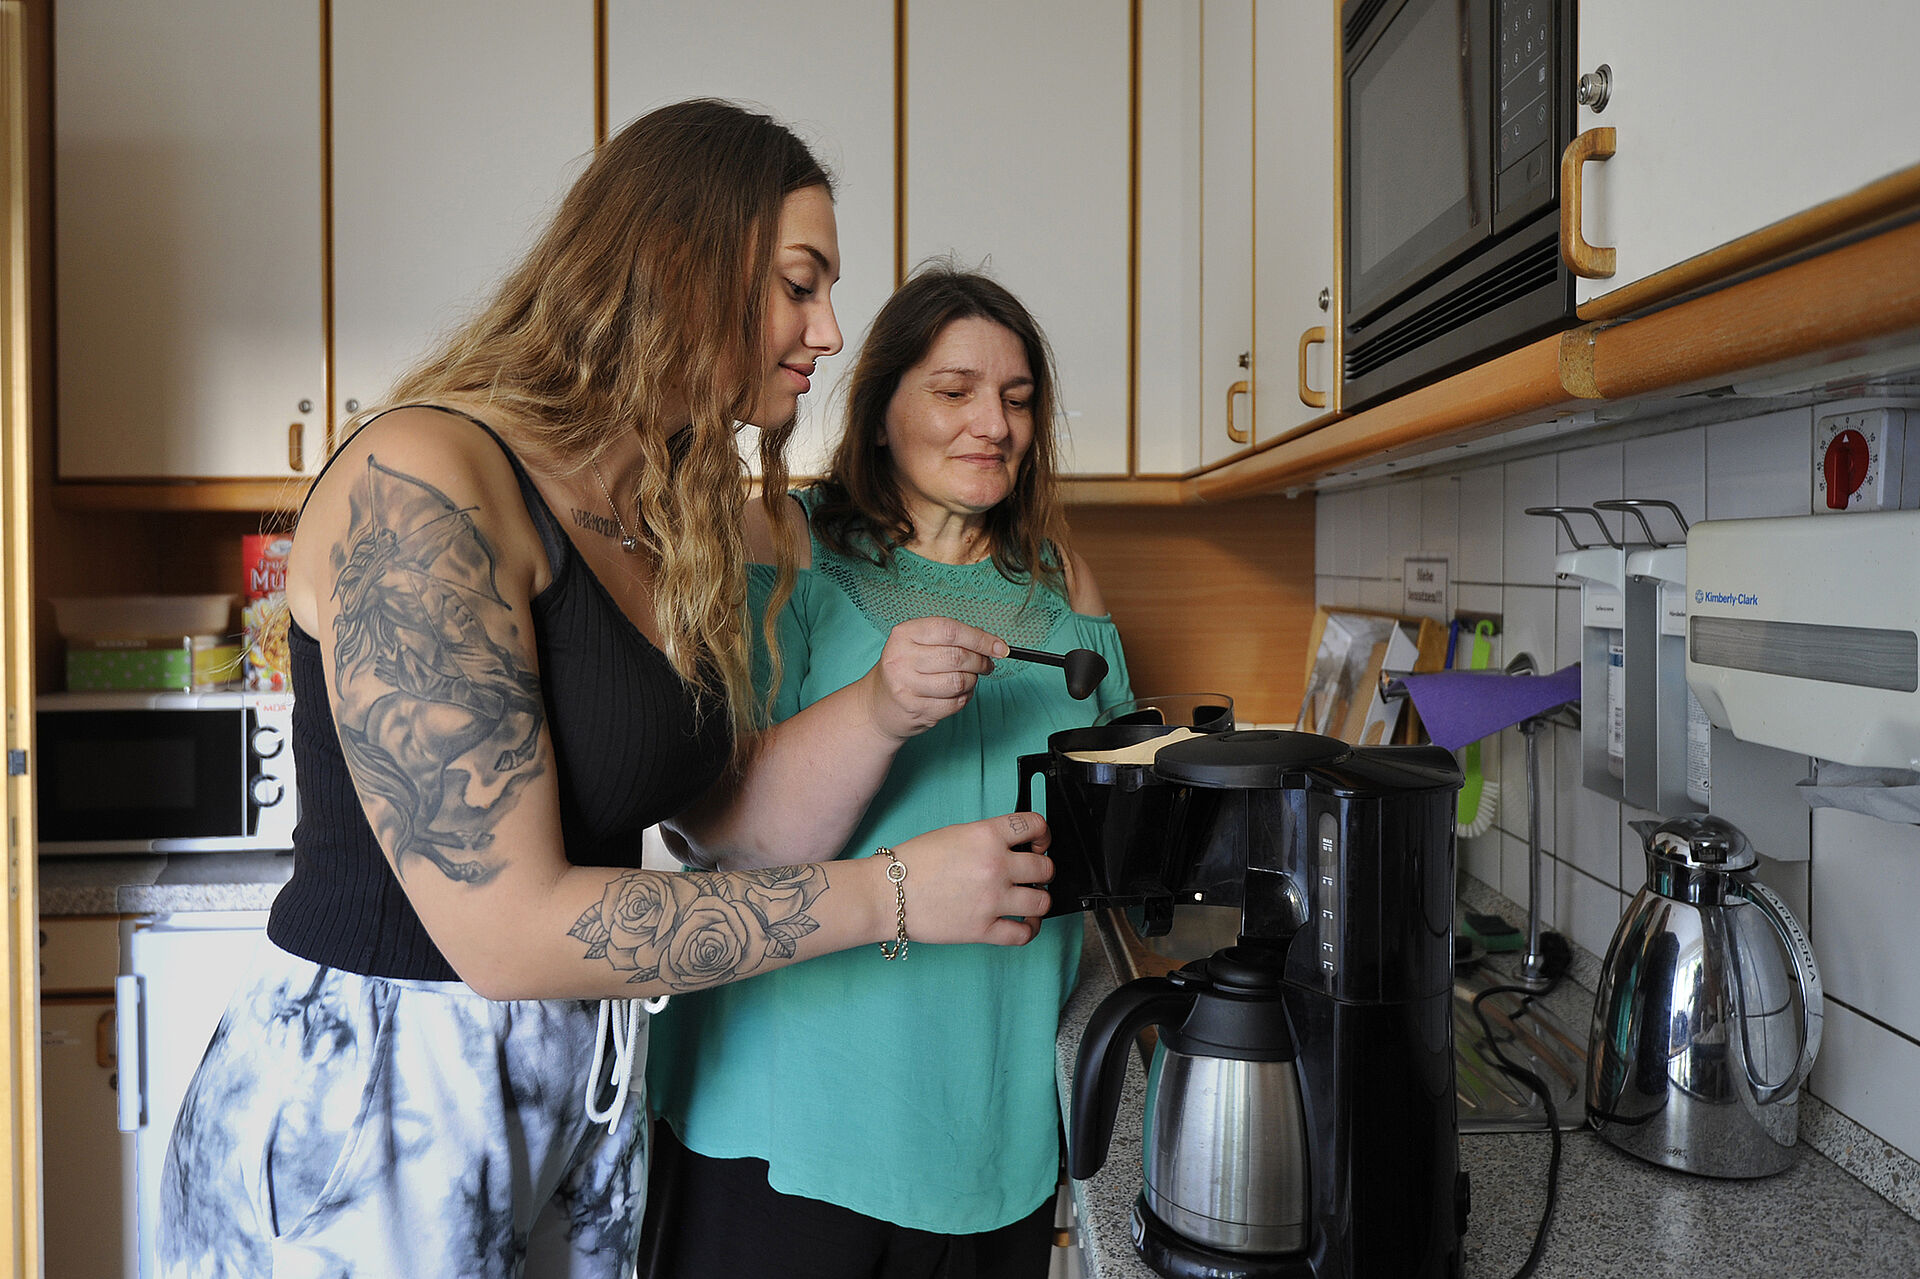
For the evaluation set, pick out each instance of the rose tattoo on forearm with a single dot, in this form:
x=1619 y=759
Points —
x=702 y=928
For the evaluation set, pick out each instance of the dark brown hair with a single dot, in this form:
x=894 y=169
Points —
x=650 y=284
x=859 y=510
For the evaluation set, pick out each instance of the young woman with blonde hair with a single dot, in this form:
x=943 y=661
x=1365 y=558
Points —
x=517 y=644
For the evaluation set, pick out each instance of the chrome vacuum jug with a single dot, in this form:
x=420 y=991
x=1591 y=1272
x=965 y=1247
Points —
x=1708 y=1016
x=1300 y=1111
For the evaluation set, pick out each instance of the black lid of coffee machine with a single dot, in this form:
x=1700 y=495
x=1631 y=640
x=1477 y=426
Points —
x=1246 y=759
x=1264 y=758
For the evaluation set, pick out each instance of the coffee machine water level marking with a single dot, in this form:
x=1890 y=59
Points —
x=1327 y=891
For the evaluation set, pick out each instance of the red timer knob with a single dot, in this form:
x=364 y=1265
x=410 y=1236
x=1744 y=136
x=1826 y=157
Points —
x=1846 y=464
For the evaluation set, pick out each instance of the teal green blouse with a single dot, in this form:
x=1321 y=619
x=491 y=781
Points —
x=919 y=1092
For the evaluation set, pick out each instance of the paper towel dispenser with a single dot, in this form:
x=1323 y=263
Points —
x=1804 y=634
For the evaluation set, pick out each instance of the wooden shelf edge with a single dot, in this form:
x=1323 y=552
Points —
x=201 y=495
x=1836 y=306
x=1887 y=197
x=1120 y=491
x=1523 y=384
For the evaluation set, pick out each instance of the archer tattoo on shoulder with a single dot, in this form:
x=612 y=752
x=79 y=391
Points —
x=438 y=716
x=699 y=929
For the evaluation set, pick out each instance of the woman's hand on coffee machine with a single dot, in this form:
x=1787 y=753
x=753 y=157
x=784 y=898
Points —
x=973 y=882
x=926 y=672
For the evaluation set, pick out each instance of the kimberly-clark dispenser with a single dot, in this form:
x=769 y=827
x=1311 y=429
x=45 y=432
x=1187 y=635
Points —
x=1804 y=633
x=1668 y=735
x=1601 y=572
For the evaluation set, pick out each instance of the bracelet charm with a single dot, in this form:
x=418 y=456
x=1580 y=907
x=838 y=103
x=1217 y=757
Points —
x=897 y=876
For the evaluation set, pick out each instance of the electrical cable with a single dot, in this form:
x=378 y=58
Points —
x=1539 y=1086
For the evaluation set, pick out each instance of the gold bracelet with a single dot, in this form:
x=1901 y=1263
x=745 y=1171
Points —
x=897 y=876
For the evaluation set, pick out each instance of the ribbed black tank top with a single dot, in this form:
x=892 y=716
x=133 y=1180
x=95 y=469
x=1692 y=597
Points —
x=631 y=748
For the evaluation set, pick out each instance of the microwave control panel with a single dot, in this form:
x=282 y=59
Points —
x=1529 y=76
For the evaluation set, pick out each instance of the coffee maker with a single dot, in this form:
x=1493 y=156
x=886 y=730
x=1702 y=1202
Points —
x=1300 y=1114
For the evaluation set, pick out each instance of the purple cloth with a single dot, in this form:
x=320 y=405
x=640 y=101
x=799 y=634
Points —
x=1458 y=707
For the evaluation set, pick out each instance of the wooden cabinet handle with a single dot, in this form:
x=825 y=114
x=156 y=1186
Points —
x=1584 y=260
x=1237 y=434
x=296 y=450
x=1311 y=398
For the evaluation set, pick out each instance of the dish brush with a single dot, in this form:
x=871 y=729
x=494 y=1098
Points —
x=1479 y=796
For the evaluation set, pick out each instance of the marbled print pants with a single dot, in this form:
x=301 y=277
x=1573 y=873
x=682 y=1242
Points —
x=347 y=1125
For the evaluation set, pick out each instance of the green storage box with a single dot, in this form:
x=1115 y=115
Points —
x=182 y=662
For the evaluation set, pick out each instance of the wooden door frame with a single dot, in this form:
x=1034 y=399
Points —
x=20 y=1228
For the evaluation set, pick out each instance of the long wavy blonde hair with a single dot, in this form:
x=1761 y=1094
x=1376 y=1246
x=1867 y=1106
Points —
x=650 y=287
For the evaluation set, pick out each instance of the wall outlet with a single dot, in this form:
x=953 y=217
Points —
x=1866 y=457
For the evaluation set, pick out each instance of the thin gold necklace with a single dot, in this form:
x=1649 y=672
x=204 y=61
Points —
x=628 y=542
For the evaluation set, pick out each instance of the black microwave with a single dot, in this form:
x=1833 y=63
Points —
x=1457 y=112
x=164 y=772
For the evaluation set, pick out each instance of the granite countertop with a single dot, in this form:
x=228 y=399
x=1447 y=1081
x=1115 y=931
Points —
x=159 y=884
x=1617 y=1216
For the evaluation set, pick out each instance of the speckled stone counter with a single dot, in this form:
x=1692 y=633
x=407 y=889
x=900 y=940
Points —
x=1616 y=1217
x=161 y=884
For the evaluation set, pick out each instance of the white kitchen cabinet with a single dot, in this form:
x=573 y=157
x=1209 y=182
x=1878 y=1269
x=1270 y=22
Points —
x=188 y=246
x=1295 y=174
x=1167 y=351
x=1018 y=159
x=1226 y=228
x=829 y=77
x=87 y=1164
x=452 y=144
x=1236 y=226
x=1729 y=115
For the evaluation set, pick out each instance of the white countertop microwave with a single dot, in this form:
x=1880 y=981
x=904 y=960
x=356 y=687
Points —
x=132 y=773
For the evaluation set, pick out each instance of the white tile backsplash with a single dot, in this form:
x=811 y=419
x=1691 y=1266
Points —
x=1853 y=881
x=1364 y=539
x=1329 y=521
x=1483 y=525
x=1761 y=466
x=1529 y=540
x=1586 y=476
x=1866 y=889
x=1530 y=624
x=1585 y=909
x=1672 y=468
x=1586 y=823
x=1868 y=1073
x=1383 y=596
x=1405 y=503
x=1440 y=519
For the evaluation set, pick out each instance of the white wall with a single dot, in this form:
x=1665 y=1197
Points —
x=1859 y=885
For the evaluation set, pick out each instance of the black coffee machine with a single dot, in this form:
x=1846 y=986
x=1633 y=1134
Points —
x=1300 y=1113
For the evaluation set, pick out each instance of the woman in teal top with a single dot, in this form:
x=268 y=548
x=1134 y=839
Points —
x=854 y=1116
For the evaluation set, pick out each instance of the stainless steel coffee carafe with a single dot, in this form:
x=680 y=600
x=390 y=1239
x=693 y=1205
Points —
x=1708 y=1015
x=1224 y=1156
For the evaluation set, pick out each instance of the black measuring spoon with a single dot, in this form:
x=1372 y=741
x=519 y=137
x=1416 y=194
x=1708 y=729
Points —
x=1084 y=667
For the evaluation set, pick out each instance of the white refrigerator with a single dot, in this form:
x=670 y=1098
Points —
x=177 y=972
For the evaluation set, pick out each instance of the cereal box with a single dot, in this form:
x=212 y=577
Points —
x=264 y=562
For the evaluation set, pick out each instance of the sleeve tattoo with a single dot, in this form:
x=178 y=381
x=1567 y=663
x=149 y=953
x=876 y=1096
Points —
x=698 y=929
x=437 y=714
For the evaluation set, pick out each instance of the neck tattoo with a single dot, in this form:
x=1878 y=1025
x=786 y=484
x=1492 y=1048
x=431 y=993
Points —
x=628 y=542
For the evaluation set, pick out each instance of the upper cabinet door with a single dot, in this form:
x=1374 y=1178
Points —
x=1167 y=340
x=1018 y=159
x=1295 y=168
x=1226 y=228
x=1168 y=264
x=828 y=73
x=1729 y=115
x=188 y=244
x=452 y=144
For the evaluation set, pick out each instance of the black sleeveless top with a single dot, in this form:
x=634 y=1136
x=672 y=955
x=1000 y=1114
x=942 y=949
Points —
x=633 y=744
